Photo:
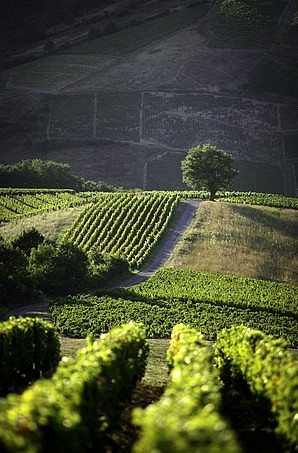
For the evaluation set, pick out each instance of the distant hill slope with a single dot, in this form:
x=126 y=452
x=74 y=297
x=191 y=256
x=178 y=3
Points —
x=137 y=99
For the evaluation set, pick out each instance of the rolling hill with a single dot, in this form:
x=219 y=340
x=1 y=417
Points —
x=167 y=78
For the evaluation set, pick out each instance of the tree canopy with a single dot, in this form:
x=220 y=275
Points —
x=46 y=174
x=206 y=167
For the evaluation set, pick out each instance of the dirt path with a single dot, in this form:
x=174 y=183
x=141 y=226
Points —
x=40 y=309
x=189 y=208
x=163 y=253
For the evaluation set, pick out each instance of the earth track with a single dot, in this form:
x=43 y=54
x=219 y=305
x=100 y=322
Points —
x=189 y=209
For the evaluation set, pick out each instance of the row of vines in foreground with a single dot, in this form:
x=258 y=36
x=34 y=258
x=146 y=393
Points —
x=79 y=406
x=188 y=417
x=125 y=224
x=206 y=301
x=73 y=410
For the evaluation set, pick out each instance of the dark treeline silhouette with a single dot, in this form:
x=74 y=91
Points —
x=16 y=12
x=46 y=174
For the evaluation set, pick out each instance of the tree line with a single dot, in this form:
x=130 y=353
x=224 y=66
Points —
x=46 y=174
x=30 y=265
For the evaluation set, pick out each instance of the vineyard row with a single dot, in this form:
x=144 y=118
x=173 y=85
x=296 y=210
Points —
x=82 y=402
x=74 y=408
x=18 y=203
x=127 y=225
x=206 y=301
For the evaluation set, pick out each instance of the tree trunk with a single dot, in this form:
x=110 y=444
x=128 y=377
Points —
x=212 y=195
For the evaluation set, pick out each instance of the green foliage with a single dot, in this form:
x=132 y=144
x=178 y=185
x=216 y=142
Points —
x=257 y=198
x=207 y=302
x=27 y=240
x=187 y=417
x=73 y=410
x=254 y=198
x=207 y=167
x=29 y=349
x=30 y=265
x=128 y=225
x=103 y=267
x=58 y=269
x=18 y=203
x=270 y=371
x=38 y=173
x=15 y=281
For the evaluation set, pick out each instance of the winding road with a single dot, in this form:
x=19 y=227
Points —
x=188 y=211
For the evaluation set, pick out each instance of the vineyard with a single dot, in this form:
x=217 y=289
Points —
x=18 y=203
x=208 y=302
x=129 y=225
x=174 y=120
x=80 y=405
x=254 y=131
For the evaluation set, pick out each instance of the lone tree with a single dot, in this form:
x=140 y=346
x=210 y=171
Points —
x=206 y=167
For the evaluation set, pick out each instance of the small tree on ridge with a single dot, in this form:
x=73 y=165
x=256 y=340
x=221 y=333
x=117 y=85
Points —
x=206 y=167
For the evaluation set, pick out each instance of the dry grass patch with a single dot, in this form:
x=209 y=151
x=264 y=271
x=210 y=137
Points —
x=249 y=241
x=50 y=224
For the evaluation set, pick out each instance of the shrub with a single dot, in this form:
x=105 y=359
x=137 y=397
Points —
x=270 y=371
x=72 y=411
x=29 y=349
x=187 y=417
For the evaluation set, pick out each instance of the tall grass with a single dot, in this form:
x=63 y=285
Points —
x=249 y=241
x=50 y=224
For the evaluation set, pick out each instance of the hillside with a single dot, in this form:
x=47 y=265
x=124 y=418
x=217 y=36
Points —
x=207 y=301
x=167 y=78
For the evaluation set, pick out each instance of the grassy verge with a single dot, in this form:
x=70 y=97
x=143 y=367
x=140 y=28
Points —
x=248 y=241
x=156 y=374
x=49 y=224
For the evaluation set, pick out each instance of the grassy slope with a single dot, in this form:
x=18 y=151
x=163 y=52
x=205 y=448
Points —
x=248 y=241
x=51 y=224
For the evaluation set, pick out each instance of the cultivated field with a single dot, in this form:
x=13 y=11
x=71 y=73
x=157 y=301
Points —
x=207 y=301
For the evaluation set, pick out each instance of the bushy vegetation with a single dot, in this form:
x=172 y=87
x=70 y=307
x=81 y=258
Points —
x=269 y=370
x=253 y=198
x=187 y=417
x=37 y=173
x=30 y=265
x=19 y=203
x=128 y=224
x=207 y=302
x=207 y=167
x=73 y=410
x=29 y=350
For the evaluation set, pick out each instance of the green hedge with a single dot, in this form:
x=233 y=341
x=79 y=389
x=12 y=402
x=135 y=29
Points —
x=270 y=371
x=187 y=417
x=254 y=198
x=29 y=349
x=71 y=411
